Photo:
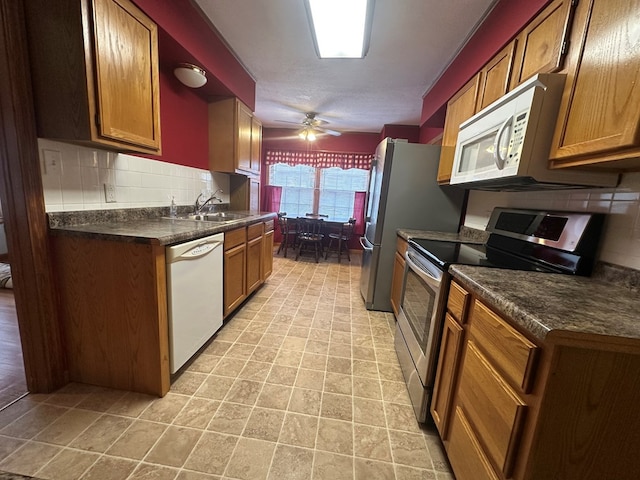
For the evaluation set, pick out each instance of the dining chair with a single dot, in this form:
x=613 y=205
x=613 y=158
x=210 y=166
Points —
x=339 y=239
x=288 y=233
x=310 y=235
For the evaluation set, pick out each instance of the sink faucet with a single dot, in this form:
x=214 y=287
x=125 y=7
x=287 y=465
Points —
x=199 y=206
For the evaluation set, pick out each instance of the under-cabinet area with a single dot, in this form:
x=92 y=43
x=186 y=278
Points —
x=113 y=292
x=511 y=402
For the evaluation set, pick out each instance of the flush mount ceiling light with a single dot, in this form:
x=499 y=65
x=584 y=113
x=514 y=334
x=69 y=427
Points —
x=340 y=28
x=190 y=75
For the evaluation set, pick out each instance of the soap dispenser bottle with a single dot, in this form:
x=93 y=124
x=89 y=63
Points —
x=173 y=208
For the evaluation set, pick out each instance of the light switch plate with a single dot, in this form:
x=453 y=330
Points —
x=109 y=193
x=52 y=161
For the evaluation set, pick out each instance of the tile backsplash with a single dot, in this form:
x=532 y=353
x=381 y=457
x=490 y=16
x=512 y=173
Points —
x=73 y=178
x=620 y=244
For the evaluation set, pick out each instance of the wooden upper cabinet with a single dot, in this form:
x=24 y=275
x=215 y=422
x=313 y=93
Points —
x=542 y=44
x=232 y=145
x=495 y=77
x=461 y=107
x=95 y=73
x=599 y=118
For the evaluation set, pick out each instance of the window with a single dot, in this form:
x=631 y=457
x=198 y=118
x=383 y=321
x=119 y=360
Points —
x=328 y=191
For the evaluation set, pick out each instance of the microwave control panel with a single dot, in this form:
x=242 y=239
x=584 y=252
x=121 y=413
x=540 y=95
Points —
x=517 y=138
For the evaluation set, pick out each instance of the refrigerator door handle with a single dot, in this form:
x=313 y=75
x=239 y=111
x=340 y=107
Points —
x=365 y=247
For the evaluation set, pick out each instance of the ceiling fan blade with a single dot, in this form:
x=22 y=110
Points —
x=328 y=131
x=287 y=121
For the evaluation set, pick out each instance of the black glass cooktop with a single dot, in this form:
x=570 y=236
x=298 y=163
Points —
x=445 y=253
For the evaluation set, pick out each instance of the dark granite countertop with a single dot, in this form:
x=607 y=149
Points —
x=466 y=234
x=544 y=303
x=130 y=227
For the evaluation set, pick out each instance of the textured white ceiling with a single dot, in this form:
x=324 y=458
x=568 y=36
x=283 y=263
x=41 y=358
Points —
x=412 y=42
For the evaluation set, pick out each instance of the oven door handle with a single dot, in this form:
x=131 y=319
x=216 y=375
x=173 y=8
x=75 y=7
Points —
x=432 y=278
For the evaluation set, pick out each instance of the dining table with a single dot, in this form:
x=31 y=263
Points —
x=330 y=222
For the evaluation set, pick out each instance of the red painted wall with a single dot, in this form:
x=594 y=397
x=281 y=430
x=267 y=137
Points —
x=286 y=138
x=184 y=120
x=503 y=23
x=408 y=132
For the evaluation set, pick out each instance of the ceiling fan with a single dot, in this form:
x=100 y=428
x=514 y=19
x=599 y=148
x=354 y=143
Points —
x=312 y=126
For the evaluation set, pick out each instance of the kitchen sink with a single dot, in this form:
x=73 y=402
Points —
x=211 y=217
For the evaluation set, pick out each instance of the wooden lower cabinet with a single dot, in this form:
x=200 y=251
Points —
x=267 y=256
x=254 y=257
x=235 y=269
x=398 y=275
x=511 y=406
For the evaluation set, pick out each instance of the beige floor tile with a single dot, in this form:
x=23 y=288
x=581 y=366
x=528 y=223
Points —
x=250 y=338
x=288 y=358
x=68 y=465
x=146 y=471
x=228 y=367
x=70 y=395
x=29 y=458
x=331 y=466
x=16 y=410
x=371 y=442
x=188 y=383
x=336 y=406
x=274 y=396
x=321 y=335
x=67 y=427
x=204 y=363
x=218 y=347
x=189 y=475
x=311 y=379
x=364 y=353
x=255 y=371
x=410 y=473
x=339 y=365
x=367 y=388
x=215 y=387
x=100 y=400
x=212 y=453
x=197 y=413
x=371 y=470
x=335 y=436
x=264 y=354
x=165 y=409
x=305 y=401
x=401 y=417
x=230 y=418
x=34 y=421
x=337 y=383
x=291 y=463
x=409 y=449
x=9 y=445
x=299 y=430
x=340 y=335
x=240 y=351
x=342 y=350
x=395 y=392
x=391 y=372
x=102 y=433
x=251 y=459
x=174 y=446
x=436 y=450
x=369 y=412
x=132 y=404
x=317 y=346
x=296 y=344
x=137 y=440
x=313 y=361
x=364 y=368
x=282 y=375
x=264 y=424
x=110 y=468
x=271 y=341
x=244 y=391
x=227 y=334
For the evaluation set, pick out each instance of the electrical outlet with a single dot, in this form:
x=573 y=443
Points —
x=52 y=161
x=110 y=193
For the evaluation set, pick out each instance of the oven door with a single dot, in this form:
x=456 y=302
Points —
x=421 y=309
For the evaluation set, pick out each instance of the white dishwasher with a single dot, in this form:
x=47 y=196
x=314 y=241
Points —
x=194 y=295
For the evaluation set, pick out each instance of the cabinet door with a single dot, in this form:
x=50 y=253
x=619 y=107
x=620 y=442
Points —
x=256 y=145
x=267 y=255
x=541 y=45
x=235 y=285
x=495 y=76
x=127 y=90
x=450 y=350
x=396 y=283
x=243 y=145
x=599 y=116
x=254 y=264
x=460 y=108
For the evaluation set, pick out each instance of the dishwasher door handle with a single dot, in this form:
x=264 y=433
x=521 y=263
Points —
x=199 y=250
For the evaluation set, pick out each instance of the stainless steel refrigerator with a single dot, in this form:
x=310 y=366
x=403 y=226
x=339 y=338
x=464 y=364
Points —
x=403 y=194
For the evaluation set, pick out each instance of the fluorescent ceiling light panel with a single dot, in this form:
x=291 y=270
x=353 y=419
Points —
x=341 y=28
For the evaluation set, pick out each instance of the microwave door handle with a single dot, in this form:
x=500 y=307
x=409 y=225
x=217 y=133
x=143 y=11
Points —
x=496 y=144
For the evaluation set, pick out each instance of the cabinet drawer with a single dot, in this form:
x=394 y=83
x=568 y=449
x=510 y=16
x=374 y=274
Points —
x=254 y=231
x=513 y=354
x=457 y=303
x=492 y=407
x=467 y=458
x=268 y=226
x=235 y=237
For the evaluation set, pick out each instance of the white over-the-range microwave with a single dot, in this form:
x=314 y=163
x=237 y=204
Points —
x=506 y=145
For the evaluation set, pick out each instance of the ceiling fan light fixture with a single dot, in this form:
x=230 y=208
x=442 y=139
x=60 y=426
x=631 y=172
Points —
x=340 y=28
x=190 y=75
x=308 y=134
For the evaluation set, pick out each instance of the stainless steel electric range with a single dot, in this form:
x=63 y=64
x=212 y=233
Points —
x=544 y=241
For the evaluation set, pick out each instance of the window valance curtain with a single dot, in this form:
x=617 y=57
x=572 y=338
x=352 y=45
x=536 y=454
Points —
x=320 y=159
